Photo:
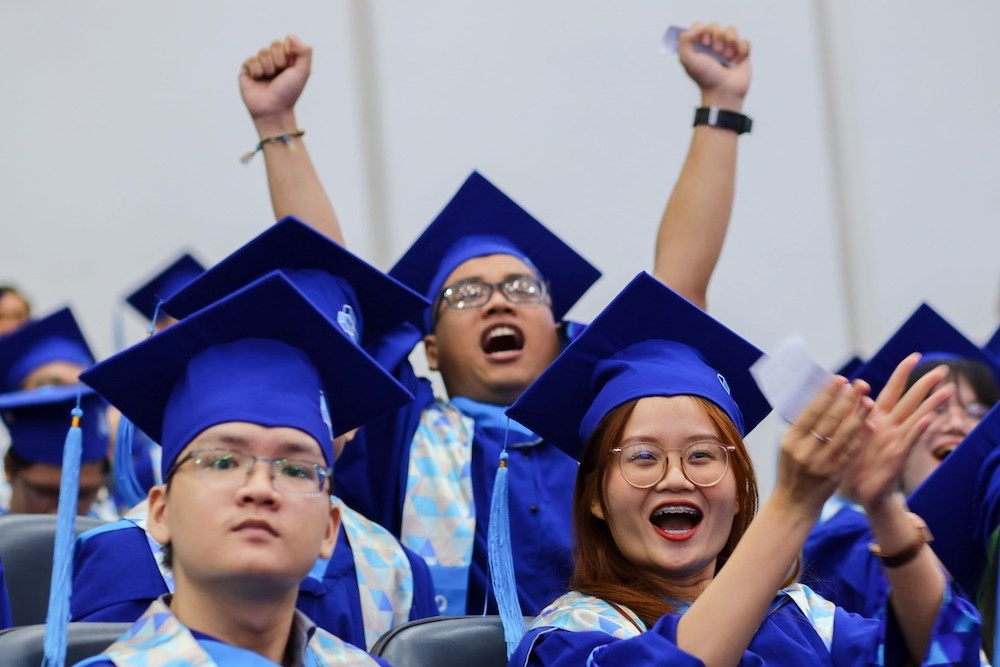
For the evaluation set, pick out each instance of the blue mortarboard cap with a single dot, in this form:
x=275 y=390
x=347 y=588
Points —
x=164 y=285
x=850 y=367
x=37 y=420
x=56 y=337
x=951 y=502
x=926 y=332
x=331 y=277
x=649 y=341
x=992 y=346
x=289 y=366
x=481 y=220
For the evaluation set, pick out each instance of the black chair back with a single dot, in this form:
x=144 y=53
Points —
x=26 y=545
x=23 y=647
x=445 y=641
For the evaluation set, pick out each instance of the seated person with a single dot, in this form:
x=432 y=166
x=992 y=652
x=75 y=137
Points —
x=674 y=565
x=837 y=562
x=37 y=421
x=246 y=409
x=49 y=351
x=371 y=583
x=501 y=284
x=14 y=309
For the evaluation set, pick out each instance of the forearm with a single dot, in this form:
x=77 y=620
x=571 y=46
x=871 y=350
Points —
x=694 y=223
x=743 y=590
x=917 y=587
x=292 y=180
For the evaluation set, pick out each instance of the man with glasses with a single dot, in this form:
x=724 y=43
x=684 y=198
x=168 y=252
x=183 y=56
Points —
x=501 y=284
x=246 y=409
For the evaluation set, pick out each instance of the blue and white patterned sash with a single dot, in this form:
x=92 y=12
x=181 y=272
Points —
x=385 y=579
x=158 y=639
x=577 y=612
x=439 y=511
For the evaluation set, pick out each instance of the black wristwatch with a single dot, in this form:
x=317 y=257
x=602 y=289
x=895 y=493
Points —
x=727 y=120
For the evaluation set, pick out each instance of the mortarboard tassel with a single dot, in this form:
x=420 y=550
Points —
x=126 y=481
x=501 y=559
x=57 y=619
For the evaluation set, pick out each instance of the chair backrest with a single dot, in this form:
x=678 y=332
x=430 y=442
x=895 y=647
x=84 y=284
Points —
x=445 y=641
x=26 y=545
x=23 y=647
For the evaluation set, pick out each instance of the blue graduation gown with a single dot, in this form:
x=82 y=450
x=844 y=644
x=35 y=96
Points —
x=838 y=565
x=5 y=618
x=786 y=637
x=116 y=578
x=540 y=496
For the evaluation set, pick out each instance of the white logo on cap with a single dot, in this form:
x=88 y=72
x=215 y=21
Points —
x=347 y=322
x=324 y=411
x=725 y=385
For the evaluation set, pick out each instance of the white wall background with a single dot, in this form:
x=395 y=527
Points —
x=866 y=186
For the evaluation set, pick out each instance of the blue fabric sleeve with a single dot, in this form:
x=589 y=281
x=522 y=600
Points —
x=115 y=577
x=423 y=587
x=5 y=619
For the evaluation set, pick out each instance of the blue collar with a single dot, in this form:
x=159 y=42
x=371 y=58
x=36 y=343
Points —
x=489 y=415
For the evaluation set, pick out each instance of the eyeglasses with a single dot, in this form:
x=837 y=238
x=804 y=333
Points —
x=974 y=411
x=475 y=292
x=703 y=463
x=229 y=469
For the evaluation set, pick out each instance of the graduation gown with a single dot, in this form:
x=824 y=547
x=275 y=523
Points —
x=158 y=637
x=541 y=480
x=801 y=628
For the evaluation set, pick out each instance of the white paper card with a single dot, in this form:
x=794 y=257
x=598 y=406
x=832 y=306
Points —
x=672 y=39
x=789 y=378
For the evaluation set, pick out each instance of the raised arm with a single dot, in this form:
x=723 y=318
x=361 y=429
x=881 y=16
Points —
x=814 y=453
x=916 y=577
x=694 y=223
x=271 y=82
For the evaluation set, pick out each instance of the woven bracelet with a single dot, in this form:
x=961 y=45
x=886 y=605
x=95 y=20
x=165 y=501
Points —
x=285 y=138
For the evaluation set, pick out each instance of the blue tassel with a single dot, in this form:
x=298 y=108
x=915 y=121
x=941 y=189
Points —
x=127 y=484
x=57 y=620
x=502 y=560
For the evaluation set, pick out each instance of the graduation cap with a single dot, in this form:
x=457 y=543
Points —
x=164 y=285
x=649 y=341
x=850 y=367
x=954 y=501
x=288 y=367
x=992 y=346
x=37 y=420
x=481 y=220
x=56 y=337
x=926 y=332
x=363 y=301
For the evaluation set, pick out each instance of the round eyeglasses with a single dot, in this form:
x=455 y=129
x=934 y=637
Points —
x=703 y=463
x=225 y=468
x=476 y=292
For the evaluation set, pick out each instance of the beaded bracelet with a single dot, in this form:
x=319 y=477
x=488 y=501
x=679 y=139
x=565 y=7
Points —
x=285 y=138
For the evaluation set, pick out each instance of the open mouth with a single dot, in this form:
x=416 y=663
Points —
x=502 y=338
x=676 y=520
x=940 y=453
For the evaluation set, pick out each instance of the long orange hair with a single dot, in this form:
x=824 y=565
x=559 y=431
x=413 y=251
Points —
x=601 y=569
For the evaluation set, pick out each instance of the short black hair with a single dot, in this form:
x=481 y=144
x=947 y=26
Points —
x=980 y=377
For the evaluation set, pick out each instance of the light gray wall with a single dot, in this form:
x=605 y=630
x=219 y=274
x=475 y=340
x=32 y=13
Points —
x=865 y=187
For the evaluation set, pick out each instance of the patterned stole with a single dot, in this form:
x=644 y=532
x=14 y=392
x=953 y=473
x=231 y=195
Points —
x=577 y=612
x=439 y=512
x=385 y=579
x=158 y=639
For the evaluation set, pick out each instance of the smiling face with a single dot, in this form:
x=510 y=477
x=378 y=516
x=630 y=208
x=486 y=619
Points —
x=251 y=535
x=491 y=353
x=953 y=421
x=673 y=530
